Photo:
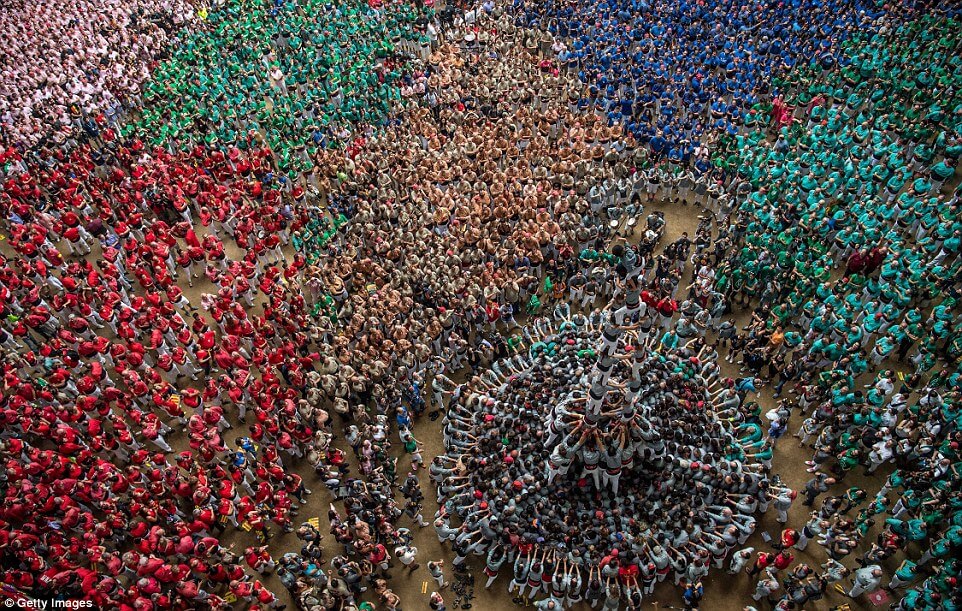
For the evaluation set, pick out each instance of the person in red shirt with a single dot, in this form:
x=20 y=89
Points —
x=783 y=560
x=762 y=562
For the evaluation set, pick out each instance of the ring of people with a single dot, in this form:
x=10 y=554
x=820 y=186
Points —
x=355 y=305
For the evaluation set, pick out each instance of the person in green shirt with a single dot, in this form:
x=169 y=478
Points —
x=904 y=575
x=942 y=172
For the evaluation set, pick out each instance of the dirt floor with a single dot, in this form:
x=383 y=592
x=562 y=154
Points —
x=723 y=592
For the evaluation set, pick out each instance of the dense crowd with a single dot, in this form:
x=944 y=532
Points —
x=592 y=466
x=68 y=66
x=859 y=186
x=298 y=75
x=377 y=200
x=679 y=74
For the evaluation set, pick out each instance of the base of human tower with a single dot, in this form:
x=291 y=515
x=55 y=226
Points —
x=597 y=452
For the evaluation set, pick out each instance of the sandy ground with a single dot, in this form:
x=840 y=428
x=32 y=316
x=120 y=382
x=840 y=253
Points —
x=723 y=592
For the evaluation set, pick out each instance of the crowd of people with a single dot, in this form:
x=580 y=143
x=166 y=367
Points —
x=299 y=76
x=591 y=466
x=857 y=185
x=678 y=74
x=377 y=201
x=66 y=62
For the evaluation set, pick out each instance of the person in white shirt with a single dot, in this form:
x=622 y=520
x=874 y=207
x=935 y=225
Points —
x=865 y=580
x=407 y=554
x=436 y=569
x=739 y=560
